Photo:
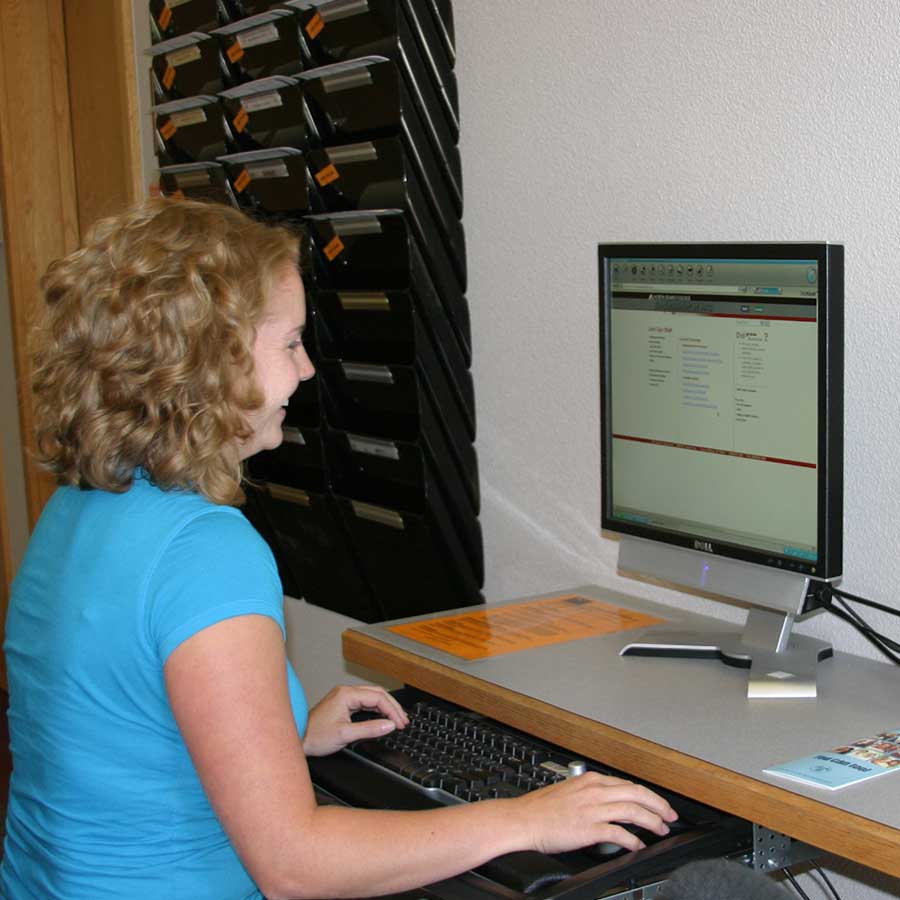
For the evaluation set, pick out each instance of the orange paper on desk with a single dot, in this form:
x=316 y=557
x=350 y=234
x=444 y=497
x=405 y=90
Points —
x=520 y=626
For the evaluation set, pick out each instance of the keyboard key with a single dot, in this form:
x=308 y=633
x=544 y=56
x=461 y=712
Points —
x=394 y=759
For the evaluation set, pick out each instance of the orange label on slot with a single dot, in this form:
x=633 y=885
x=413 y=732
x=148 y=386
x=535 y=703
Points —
x=242 y=181
x=165 y=17
x=333 y=248
x=522 y=626
x=241 y=120
x=235 y=52
x=315 y=25
x=327 y=175
x=168 y=78
x=167 y=130
x=177 y=194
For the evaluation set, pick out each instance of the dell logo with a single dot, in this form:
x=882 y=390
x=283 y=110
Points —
x=706 y=546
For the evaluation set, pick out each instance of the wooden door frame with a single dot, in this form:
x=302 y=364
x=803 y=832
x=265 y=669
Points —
x=69 y=152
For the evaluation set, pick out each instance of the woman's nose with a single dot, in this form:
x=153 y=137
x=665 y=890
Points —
x=305 y=367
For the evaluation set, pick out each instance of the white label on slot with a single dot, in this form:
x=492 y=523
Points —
x=184 y=56
x=334 y=12
x=188 y=117
x=372 y=447
x=269 y=169
x=253 y=37
x=378 y=514
x=193 y=179
x=255 y=102
x=346 y=81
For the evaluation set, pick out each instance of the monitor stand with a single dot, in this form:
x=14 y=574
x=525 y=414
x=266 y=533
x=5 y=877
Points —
x=781 y=665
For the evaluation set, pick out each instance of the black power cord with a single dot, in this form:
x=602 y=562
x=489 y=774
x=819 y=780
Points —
x=821 y=873
x=865 y=602
x=795 y=884
x=836 y=602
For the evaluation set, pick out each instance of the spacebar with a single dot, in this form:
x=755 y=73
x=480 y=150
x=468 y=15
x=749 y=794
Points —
x=360 y=785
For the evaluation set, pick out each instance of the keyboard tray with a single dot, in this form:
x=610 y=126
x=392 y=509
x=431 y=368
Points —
x=365 y=775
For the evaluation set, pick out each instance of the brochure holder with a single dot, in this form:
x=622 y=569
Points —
x=171 y=19
x=197 y=181
x=185 y=66
x=266 y=113
x=336 y=32
x=344 y=116
x=367 y=98
x=399 y=402
x=442 y=14
x=394 y=509
x=433 y=47
x=261 y=46
x=385 y=327
x=272 y=182
x=379 y=175
x=299 y=461
x=377 y=250
x=190 y=130
x=254 y=508
x=243 y=9
x=305 y=528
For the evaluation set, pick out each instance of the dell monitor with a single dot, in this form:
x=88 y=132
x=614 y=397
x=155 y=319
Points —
x=721 y=376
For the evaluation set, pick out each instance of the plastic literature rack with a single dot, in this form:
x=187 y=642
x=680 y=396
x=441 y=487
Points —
x=342 y=121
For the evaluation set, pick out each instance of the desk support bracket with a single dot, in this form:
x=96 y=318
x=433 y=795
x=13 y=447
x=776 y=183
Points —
x=774 y=850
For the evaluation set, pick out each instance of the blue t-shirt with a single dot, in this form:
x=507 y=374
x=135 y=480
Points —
x=104 y=799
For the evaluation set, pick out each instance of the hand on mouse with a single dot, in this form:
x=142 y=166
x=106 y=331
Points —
x=584 y=810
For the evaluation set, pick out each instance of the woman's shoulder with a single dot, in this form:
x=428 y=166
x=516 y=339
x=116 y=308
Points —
x=154 y=522
x=176 y=503
x=160 y=517
x=198 y=521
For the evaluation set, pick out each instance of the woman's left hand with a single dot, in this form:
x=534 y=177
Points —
x=330 y=728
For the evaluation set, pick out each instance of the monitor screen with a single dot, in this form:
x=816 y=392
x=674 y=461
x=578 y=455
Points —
x=721 y=399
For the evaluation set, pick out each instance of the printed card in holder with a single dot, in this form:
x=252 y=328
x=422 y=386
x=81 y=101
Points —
x=849 y=764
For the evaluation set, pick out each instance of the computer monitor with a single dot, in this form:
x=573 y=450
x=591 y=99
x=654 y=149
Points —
x=721 y=375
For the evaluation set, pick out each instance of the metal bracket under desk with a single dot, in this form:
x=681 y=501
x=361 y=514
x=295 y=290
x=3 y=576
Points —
x=774 y=850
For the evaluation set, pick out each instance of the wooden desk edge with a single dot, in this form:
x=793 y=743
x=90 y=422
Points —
x=836 y=831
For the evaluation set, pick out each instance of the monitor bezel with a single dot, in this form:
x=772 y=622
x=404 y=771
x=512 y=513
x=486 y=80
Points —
x=830 y=340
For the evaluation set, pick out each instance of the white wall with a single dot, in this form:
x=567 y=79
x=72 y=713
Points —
x=613 y=120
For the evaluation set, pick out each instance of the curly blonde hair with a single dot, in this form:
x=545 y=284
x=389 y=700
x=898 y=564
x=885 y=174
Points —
x=143 y=357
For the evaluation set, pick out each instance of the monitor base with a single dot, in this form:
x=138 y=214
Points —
x=781 y=665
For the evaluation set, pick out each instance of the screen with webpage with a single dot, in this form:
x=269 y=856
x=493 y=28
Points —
x=713 y=404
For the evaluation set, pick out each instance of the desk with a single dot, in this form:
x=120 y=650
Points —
x=684 y=724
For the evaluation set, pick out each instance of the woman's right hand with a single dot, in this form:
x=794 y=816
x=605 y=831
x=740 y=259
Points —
x=585 y=809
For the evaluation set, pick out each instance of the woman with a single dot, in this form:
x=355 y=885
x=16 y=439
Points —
x=159 y=735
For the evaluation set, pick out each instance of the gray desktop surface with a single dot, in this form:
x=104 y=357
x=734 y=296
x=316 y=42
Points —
x=699 y=707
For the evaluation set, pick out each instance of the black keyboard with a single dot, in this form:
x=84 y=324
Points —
x=448 y=755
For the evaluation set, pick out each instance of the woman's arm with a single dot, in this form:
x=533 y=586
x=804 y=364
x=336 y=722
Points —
x=228 y=688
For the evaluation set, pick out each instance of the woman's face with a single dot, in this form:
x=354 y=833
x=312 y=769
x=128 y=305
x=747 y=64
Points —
x=279 y=359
